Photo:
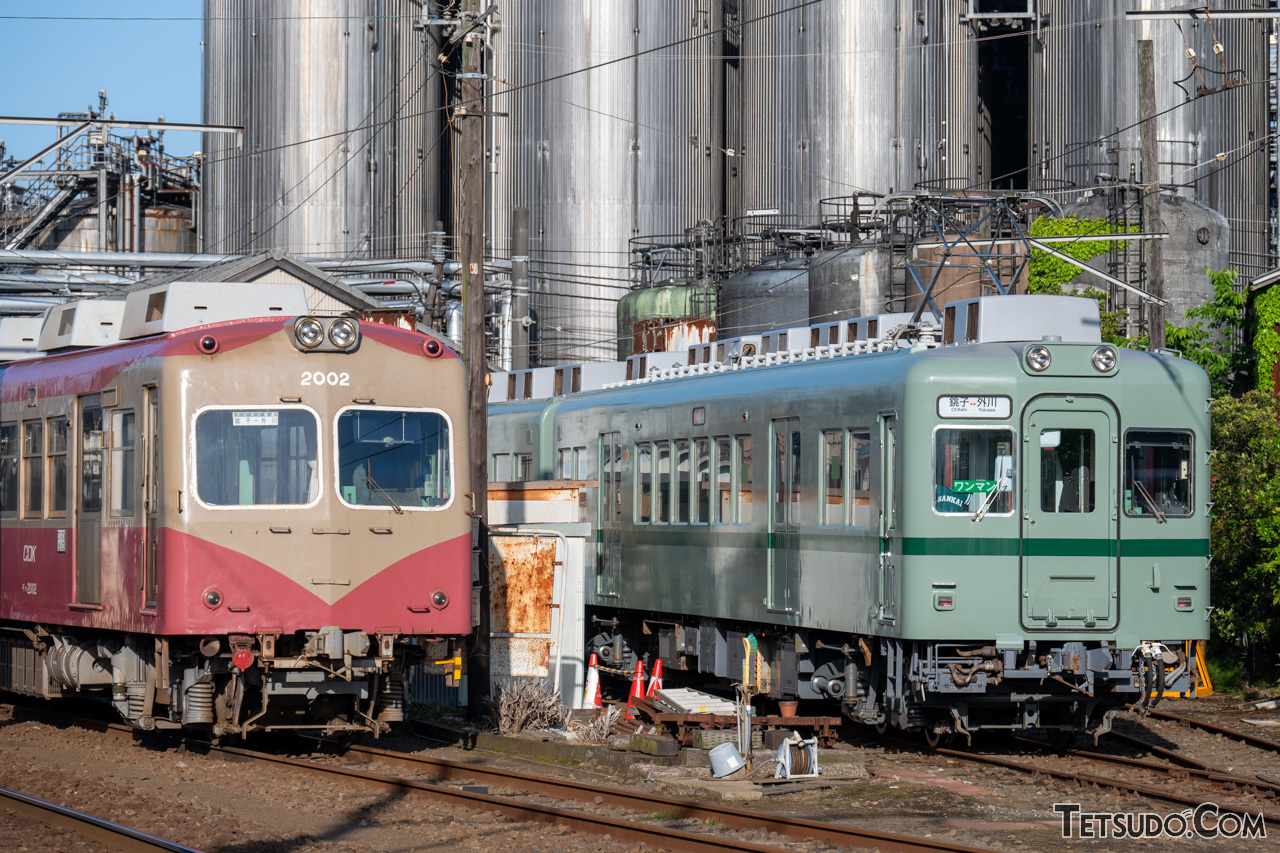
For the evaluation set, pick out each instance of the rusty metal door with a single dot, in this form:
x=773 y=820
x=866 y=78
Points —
x=524 y=603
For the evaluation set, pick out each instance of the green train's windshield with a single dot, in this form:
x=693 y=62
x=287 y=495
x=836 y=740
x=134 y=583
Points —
x=973 y=469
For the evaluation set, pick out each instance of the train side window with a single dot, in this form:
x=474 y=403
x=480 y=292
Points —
x=1066 y=470
x=393 y=457
x=973 y=468
x=860 y=477
x=644 y=482
x=743 y=504
x=91 y=428
x=257 y=457
x=582 y=462
x=662 y=452
x=833 y=477
x=501 y=468
x=724 y=486
x=702 y=504
x=59 y=468
x=1158 y=473
x=8 y=469
x=524 y=467
x=124 y=475
x=566 y=463
x=682 y=483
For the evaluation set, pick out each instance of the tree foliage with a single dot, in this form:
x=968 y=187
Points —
x=1245 y=533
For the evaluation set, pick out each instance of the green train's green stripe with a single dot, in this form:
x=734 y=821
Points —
x=917 y=546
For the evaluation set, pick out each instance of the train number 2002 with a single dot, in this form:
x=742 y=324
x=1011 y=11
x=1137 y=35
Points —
x=330 y=378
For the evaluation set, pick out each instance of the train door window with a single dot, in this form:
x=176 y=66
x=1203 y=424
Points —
x=524 y=467
x=702 y=503
x=1158 y=473
x=682 y=483
x=662 y=453
x=743 y=504
x=260 y=457
x=644 y=482
x=390 y=457
x=59 y=468
x=1066 y=470
x=833 y=471
x=582 y=462
x=8 y=469
x=860 y=477
x=501 y=468
x=566 y=463
x=124 y=473
x=91 y=447
x=724 y=476
x=973 y=471
x=33 y=470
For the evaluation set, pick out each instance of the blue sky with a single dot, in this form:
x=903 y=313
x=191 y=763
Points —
x=51 y=63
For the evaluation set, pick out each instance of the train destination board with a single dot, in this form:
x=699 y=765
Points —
x=968 y=406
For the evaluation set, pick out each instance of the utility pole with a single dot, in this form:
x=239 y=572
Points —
x=1151 y=221
x=468 y=123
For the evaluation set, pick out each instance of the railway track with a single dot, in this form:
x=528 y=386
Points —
x=1214 y=728
x=108 y=834
x=1246 y=784
x=518 y=806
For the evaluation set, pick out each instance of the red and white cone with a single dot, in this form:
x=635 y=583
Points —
x=637 y=689
x=655 y=681
x=591 y=696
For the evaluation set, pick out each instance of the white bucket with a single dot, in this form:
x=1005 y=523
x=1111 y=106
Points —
x=725 y=759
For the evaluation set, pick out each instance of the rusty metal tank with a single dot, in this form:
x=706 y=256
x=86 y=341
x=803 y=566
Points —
x=670 y=303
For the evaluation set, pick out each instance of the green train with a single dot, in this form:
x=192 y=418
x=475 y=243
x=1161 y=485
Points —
x=994 y=522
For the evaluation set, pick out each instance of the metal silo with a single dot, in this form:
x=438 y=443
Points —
x=1084 y=109
x=842 y=97
x=341 y=107
x=630 y=147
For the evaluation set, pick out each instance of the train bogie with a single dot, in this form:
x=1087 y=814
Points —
x=257 y=524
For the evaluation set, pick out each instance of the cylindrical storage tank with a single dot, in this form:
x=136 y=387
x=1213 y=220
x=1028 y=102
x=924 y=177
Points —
x=1085 y=121
x=675 y=300
x=761 y=299
x=1199 y=240
x=837 y=98
x=627 y=148
x=341 y=109
x=846 y=283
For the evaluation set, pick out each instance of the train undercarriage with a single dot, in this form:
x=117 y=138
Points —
x=941 y=689
x=328 y=681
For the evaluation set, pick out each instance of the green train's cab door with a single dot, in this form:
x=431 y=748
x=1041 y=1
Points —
x=1070 y=566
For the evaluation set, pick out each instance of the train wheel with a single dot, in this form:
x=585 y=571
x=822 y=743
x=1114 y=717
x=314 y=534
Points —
x=935 y=738
x=881 y=727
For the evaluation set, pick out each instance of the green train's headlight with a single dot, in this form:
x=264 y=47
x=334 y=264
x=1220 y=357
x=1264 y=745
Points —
x=1104 y=359
x=1038 y=358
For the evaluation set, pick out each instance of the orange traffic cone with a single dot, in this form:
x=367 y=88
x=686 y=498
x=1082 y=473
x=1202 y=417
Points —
x=655 y=682
x=591 y=696
x=637 y=689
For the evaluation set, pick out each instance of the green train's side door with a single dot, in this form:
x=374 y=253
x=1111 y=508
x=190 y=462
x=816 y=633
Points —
x=1070 y=565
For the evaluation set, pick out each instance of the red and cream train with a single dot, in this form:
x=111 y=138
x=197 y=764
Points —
x=251 y=525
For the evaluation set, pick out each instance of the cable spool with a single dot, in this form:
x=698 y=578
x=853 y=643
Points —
x=801 y=761
x=797 y=758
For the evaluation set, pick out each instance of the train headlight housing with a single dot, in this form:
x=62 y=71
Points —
x=309 y=332
x=1038 y=358
x=439 y=599
x=1104 y=359
x=343 y=333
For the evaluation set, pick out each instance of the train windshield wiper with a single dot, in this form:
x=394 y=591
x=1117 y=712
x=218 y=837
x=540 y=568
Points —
x=382 y=493
x=1149 y=501
x=991 y=498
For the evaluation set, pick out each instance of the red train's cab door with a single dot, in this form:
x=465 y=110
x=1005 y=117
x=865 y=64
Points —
x=1070 y=564
x=87 y=500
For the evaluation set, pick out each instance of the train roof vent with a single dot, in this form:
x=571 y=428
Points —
x=183 y=304
x=589 y=376
x=81 y=324
x=875 y=326
x=988 y=319
x=18 y=337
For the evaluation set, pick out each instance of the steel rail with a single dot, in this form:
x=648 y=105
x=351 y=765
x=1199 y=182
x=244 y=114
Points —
x=91 y=828
x=584 y=822
x=1244 y=737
